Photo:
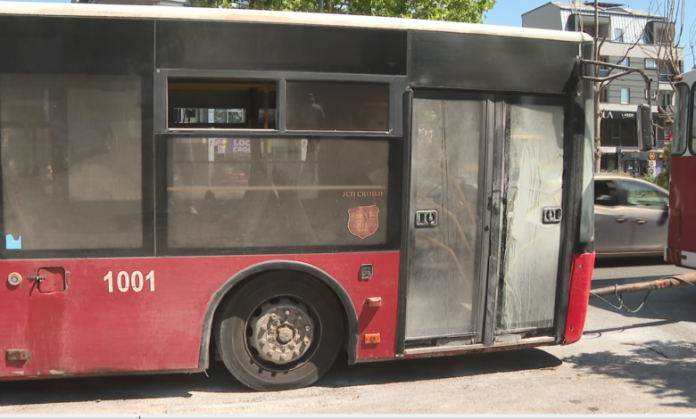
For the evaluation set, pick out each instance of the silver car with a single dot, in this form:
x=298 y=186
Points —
x=630 y=217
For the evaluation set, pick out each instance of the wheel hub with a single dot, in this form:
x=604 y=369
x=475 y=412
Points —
x=283 y=332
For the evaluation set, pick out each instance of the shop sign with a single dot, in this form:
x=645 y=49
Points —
x=618 y=115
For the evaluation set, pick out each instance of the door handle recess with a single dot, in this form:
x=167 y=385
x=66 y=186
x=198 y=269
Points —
x=426 y=218
x=640 y=221
x=620 y=219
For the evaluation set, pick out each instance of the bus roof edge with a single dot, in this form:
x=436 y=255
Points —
x=293 y=18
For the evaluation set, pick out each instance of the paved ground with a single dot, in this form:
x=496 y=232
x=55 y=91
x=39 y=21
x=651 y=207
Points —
x=626 y=363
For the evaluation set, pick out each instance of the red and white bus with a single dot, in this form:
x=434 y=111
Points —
x=278 y=186
x=681 y=242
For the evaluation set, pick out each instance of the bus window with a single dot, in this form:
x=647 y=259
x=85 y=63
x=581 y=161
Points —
x=242 y=192
x=679 y=130
x=337 y=106
x=71 y=161
x=221 y=104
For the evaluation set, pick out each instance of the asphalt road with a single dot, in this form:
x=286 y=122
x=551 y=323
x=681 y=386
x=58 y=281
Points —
x=626 y=363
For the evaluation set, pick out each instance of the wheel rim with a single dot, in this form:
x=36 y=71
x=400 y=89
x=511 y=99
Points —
x=281 y=331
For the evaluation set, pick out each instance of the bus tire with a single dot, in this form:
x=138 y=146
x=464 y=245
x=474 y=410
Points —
x=280 y=331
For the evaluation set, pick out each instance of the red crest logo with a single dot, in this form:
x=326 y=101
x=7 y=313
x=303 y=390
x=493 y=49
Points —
x=363 y=221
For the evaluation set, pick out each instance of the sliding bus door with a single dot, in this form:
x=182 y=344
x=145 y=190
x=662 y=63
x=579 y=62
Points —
x=531 y=225
x=485 y=211
x=446 y=206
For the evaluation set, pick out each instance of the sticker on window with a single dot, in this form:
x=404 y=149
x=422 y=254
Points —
x=363 y=221
x=11 y=243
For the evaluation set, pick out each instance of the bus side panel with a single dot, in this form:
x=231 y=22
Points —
x=278 y=47
x=682 y=198
x=444 y=59
x=147 y=314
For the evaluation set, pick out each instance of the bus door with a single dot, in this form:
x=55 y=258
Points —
x=485 y=211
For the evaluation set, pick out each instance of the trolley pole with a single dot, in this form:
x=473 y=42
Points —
x=666 y=282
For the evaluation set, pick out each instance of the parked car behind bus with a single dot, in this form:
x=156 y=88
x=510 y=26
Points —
x=630 y=217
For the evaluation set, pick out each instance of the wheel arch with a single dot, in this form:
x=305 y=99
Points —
x=279 y=265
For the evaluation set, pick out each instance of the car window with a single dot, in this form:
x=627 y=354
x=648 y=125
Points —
x=642 y=195
x=605 y=193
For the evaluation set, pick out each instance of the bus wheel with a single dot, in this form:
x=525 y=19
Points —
x=280 y=332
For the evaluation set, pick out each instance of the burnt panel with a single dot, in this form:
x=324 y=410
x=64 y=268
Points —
x=52 y=45
x=273 y=47
x=484 y=62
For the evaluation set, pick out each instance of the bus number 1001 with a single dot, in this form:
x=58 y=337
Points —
x=135 y=280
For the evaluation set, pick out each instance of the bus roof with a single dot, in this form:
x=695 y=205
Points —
x=291 y=18
x=688 y=77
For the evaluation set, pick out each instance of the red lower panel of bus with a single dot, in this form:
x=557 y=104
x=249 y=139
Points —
x=147 y=314
x=580 y=285
x=682 y=204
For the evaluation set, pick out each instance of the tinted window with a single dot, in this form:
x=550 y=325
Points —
x=337 y=106
x=641 y=195
x=681 y=120
x=222 y=104
x=605 y=193
x=618 y=131
x=242 y=192
x=71 y=161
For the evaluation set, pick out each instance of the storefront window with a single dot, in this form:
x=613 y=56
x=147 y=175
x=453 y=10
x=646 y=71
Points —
x=618 y=129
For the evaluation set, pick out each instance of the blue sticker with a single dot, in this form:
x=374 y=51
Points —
x=12 y=244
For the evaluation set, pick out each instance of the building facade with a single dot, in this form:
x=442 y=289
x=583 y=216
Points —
x=629 y=38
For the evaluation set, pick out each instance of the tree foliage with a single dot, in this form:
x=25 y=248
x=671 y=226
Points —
x=452 y=10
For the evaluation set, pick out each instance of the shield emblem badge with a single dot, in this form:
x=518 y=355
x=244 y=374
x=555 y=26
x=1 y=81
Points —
x=363 y=221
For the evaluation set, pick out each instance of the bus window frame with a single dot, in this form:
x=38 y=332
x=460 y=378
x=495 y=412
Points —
x=394 y=211
x=163 y=134
x=148 y=198
x=687 y=138
x=397 y=87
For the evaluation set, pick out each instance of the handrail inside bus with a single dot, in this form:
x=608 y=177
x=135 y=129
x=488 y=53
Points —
x=276 y=188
